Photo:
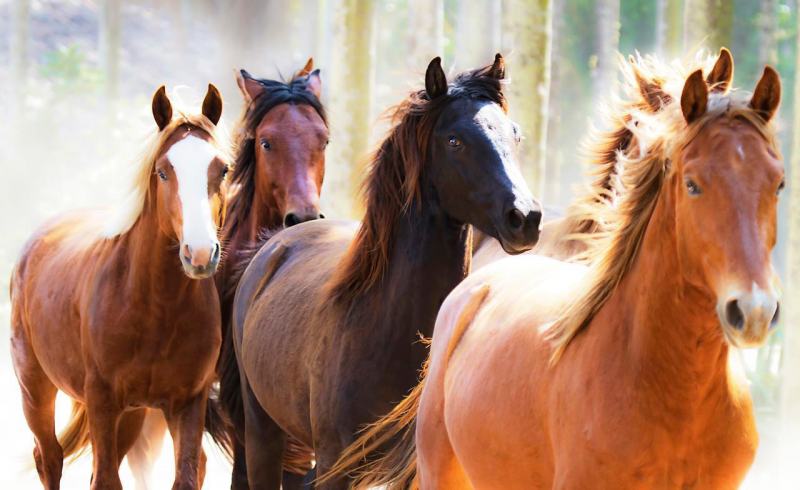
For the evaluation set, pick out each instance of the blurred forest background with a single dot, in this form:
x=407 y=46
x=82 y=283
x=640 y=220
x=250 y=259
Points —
x=77 y=77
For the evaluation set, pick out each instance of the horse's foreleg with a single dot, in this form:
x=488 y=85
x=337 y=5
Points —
x=147 y=448
x=38 y=404
x=104 y=413
x=264 y=444
x=239 y=473
x=186 y=428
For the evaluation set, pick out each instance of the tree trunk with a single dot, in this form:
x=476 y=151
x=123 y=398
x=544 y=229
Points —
x=527 y=29
x=790 y=358
x=707 y=24
x=19 y=45
x=768 y=29
x=425 y=38
x=668 y=35
x=110 y=36
x=555 y=154
x=477 y=33
x=607 y=42
x=352 y=82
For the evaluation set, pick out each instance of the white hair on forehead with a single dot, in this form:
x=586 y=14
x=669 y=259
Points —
x=190 y=158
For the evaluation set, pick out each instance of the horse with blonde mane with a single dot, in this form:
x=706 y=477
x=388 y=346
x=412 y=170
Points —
x=276 y=181
x=124 y=316
x=614 y=375
x=565 y=237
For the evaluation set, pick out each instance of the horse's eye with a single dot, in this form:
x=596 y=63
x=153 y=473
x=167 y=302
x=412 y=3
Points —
x=454 y=142
x=781 y=186
x=162 y=175
x=265 y=144
x=225 y=171
x=327 y=142
x=692 y=188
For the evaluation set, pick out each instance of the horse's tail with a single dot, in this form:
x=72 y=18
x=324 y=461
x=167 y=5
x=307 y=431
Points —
x=218 y=424
x=225 y=410
x=397 y=467
x=74 y=439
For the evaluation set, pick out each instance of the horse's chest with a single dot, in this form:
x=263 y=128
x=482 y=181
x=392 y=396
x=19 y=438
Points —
x=646 y=454
x=158 y=356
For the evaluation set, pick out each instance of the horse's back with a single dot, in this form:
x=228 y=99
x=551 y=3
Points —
x=48 y=279
x=554 y=242
x=276 y=314
x=476 y=350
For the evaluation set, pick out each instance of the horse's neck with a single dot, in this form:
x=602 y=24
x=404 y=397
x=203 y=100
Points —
x=152 y=260
x=429 y=258
x=670 y=342
x=263 y=215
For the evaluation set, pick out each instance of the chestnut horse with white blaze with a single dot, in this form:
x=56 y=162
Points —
x=125 y=315
x=616 y=375
x=276 y=181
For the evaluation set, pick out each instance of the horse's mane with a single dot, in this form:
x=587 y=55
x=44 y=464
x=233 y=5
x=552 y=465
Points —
x=642 y=92
x=660 y=135
x=392 y=187
x=243 y=184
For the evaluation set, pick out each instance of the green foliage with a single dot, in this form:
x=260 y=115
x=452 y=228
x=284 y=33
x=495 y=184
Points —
x=69 y=70
x=637 y=26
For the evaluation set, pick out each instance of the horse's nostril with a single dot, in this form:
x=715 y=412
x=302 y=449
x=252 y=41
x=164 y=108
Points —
x=187 y=252
x=734 y=314
x=321 y=216
x=290 y=219
x=516 y=220
x=777 y=316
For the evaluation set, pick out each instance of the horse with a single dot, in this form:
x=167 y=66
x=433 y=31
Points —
x=565 y=237
x=276 y=181
x=326 y=316
x=615 y=375
x=119 y=310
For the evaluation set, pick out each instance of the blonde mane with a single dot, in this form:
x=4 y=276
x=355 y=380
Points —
x=660 y=136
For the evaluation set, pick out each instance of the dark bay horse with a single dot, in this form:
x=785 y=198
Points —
x=276 y=181
x=327 y=316
x=617 y=375
x=125 y=315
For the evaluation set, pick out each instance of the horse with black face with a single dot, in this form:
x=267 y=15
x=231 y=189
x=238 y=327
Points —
x=327 y=316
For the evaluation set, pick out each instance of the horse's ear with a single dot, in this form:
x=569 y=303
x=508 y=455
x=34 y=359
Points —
x=249 y=86
x=306 y=70
x=212 y=104
x=694 y=98
x=719 y=80
x=314 y=83
x=162 y=108
x=767 y=94
x=498 y=69
x=435 y=80
x=650 y=90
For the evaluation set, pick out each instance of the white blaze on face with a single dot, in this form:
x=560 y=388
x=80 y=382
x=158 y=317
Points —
x=190 y=159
